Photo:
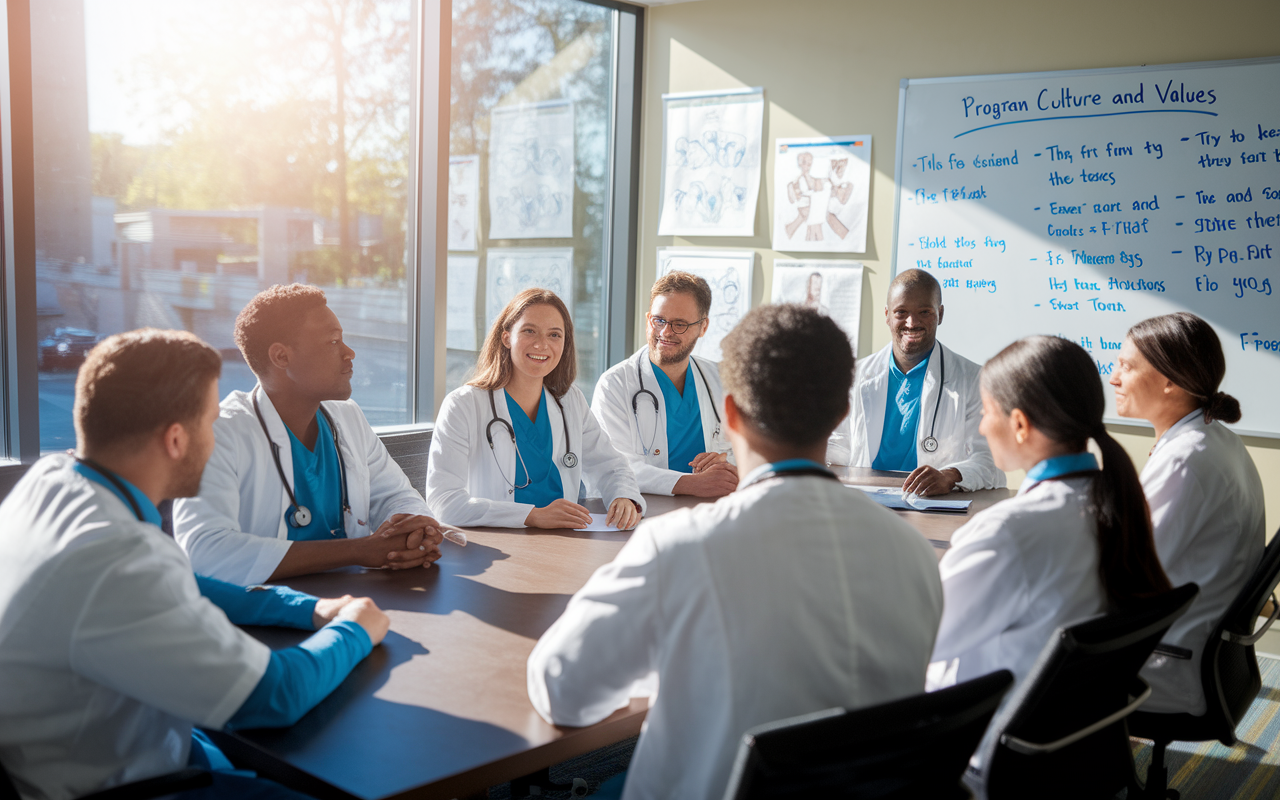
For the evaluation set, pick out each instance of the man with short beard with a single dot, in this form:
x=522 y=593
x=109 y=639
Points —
x=111 y=650
x=661 y=408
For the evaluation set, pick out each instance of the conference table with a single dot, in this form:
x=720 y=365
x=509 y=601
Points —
x=440 y=709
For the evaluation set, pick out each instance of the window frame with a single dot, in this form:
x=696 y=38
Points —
x=426 y=271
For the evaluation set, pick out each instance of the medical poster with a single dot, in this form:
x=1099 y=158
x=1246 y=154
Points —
x=832 y=287
x=729 y=274
x=711 y=151
x=464 y=201
x=511 y=270
x=821 y=187
x=460 y=303
x=531 y=171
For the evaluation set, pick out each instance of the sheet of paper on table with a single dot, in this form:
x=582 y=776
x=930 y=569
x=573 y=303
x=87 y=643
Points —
x=892 y=498
x=597 y=524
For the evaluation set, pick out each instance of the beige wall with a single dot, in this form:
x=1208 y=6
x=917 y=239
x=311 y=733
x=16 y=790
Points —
x=832 y=67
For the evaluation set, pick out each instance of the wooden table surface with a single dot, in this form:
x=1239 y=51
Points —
x=440 y=710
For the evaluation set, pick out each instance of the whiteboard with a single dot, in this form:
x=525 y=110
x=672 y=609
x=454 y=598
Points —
x=1080 y=203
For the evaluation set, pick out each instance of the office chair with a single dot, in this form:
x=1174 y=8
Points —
x=183 y=780
x=1228 y=673
x=910 y=748
x=1062 y=734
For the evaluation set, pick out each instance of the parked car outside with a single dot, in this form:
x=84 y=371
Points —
x=66 y=348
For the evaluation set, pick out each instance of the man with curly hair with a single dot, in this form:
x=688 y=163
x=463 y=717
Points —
x=298 y=481
x=791 y=595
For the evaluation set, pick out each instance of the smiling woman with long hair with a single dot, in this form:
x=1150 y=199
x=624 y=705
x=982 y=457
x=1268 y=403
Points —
x=511 y=448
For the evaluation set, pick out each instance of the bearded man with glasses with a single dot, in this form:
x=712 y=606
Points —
x=662 y=407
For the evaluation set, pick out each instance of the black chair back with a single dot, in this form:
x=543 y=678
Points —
x=1229 y=665
x=7 y=790
x=1062 y=733
x=915 y=747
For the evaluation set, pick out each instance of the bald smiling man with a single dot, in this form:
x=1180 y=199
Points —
x=899 y=420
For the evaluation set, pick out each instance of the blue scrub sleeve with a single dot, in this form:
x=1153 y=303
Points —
x=278 y=606
x=298 y=678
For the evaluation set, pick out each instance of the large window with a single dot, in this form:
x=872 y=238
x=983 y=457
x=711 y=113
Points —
x=532 y=168
x=190 y=154
x=186 y=155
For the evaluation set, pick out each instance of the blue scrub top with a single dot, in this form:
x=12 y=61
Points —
x=535 y=443
x=317 y=485
x=901 y=417
x=684 y=420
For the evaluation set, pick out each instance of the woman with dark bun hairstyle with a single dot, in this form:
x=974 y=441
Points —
x=1073 y=543
x=1203 y=489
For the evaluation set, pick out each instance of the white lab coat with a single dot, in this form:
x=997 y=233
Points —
x=789 y=596
x=856 y=441
x=1015 y=573
x=1210 y=527
x=108 y=651
x=470 y=484
x=631 y=432
x=235 y=529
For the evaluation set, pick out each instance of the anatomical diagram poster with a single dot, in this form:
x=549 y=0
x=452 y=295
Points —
x=531 y=171
x=711 y=155
x=832 y=287
x=821 y=187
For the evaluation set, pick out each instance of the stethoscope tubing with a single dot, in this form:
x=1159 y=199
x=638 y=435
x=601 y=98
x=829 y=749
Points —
x=569 y=459
x=635 y=402
x=930 y=444
x=301 y=511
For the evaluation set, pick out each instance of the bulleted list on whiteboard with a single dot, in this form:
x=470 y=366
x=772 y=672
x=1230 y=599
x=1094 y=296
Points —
x=1078 y=204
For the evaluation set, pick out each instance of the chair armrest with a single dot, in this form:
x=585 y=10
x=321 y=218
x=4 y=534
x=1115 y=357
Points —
x=1031 y=748
x=181 y=781
x=1253 y=638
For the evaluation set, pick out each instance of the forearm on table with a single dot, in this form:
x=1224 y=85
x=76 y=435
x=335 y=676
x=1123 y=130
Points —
x=305 y=558
x=298 y=678
x=276 y=605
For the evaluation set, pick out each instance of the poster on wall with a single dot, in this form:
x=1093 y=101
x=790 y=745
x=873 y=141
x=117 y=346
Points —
x=729 y=273
x=711 y=154
x=531 y=166
x=464 y=201
x=821 y=187
x=832 y=287
x=510 y=270
x=460 y=303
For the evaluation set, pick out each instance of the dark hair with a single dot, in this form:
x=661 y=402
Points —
x=1055 y=383
x=912 y=279
x=272 y=316
x=1184 y=348
x=789 y=369
x=494 y=368
x=686 y=283
x=134 y=384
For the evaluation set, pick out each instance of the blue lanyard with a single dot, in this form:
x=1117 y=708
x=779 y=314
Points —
x=791 y=466
x=1058 y=466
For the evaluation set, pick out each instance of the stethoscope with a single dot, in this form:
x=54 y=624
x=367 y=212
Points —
x=301 y=516
x=635 y=404
x=116 y=482
x=930 y=444
x=569 y=459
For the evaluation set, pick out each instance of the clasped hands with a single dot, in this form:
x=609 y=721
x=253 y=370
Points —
x=713 y=476
x=405 y=541
x=926 y=480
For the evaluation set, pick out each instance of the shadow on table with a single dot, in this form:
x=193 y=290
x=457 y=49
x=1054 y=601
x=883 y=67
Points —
x=368 y=746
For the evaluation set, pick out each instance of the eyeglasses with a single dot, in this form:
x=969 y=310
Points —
x=678 y=328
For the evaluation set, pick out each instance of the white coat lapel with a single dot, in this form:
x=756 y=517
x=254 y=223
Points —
x=928 y=402
x=874 y=394
x=502 y=459
x=279 y=435
x=356 y=520
x=569 y=476
x=644 y=408
x=708 y=407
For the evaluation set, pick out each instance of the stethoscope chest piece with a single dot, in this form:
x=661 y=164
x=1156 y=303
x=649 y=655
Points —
x=930 y=444
x=570 y=460
x=301 y=517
